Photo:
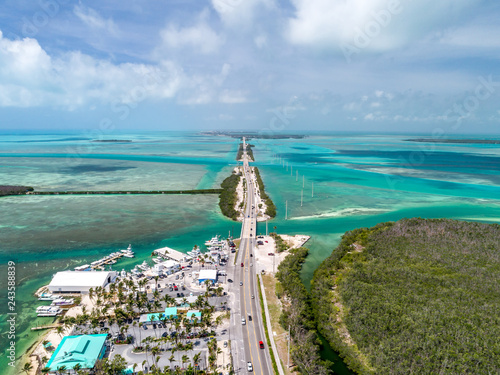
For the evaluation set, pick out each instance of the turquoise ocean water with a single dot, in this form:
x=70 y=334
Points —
x=346 y=181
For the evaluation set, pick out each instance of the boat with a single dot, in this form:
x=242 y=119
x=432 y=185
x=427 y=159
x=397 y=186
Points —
x=46 y=297
x=213 y=241
x=129 y=248
x=48 y=311
x=82 y=268
x=63 y=302
x=128 y=254
x=144 y=266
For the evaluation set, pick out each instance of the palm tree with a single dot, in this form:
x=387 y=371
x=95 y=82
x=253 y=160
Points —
x=61 y=369
x=184 y=359
x=27 y=367
x=77 y=367
x=60 y=331
x=45 y=370
x=196 y=360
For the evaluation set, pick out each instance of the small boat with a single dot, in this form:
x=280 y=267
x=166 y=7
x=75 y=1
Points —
x=144 y=266
x=82 y=268
x=48 y=311
x=46 y=297
x=128 y=254
x=63 y=302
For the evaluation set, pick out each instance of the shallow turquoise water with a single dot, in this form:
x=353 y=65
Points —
x=358 y=181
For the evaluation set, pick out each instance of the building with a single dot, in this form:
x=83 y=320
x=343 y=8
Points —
x=151 y=318
x=210 y=275
x=193 y=315
x=80 y=282
x=169 y=253
x=82 y=350
x=171 y=312
x=168 y=267
x=179 y=301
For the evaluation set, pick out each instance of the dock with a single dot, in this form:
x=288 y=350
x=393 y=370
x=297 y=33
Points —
x=99 y=264
x=39 y=328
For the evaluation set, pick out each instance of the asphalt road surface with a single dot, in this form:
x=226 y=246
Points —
x=245 y=345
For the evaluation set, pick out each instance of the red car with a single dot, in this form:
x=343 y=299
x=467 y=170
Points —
x=270 y=254
x=242 y=265
x=261 y=345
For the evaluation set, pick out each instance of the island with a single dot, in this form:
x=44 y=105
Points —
x=414 y=296
x=463 y=141
x=14 y=190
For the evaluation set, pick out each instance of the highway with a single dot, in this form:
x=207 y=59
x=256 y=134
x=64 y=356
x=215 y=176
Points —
x=246 y=346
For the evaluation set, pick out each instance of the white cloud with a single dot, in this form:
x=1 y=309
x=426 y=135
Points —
x=200 y=37
x=94 y=20
x=239 y=13
x=376 y=25
x=30 y=77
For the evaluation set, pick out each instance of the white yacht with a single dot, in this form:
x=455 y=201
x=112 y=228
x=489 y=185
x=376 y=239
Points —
x=213 y=241
x=48 y=311
x=46 y=297
x=144 y=266
x=63 y=302
x=82 y=268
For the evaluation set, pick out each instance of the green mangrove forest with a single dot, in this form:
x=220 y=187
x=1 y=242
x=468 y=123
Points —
x=413 y=297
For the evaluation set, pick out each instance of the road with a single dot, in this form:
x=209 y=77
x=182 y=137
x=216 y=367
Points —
x=247 y=345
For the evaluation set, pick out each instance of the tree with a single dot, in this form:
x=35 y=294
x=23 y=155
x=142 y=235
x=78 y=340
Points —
x=27 y=367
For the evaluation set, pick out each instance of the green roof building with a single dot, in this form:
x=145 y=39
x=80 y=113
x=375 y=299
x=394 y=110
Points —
x=84 y=350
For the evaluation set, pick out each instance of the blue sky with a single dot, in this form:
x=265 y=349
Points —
x=264 y=65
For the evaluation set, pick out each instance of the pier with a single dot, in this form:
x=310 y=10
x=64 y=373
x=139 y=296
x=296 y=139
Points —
x=126 y=192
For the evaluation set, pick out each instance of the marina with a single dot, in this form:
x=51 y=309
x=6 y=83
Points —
x=107 y=260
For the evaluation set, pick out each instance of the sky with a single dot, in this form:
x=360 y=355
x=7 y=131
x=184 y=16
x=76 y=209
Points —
x=269 y=66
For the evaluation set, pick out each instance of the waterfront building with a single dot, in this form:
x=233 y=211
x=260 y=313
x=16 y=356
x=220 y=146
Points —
x=80 y=282
x=83 y=350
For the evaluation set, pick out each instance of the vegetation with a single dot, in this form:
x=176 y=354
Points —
x=416 y=296
x=239 y=155
x=106 y=192
x=271 y=208
x=298 y=316
x=266 y=331
x=280 y=244
x=228 y=197
x=14 y=190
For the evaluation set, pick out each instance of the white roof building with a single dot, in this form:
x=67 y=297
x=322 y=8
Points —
x=80 y=281
x=169 y=253
x=210 y=275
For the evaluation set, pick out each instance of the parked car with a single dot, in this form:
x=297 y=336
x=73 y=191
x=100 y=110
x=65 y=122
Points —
x=270 y=254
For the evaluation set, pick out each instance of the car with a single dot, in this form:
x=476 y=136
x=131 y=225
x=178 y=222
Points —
x=229 y=280
x=183 y=287
x=178 y=294
x=243 y=321
x=145 y=327
x=250 y=234
x=251 y=254
x=182 y=294
x=225 y=344
x=261 y=345
x=191 y=294
x=249 y=366
x=253 y=297
x=249 y=317
x=270 y=254
x=242 y=265
x=241 y=283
